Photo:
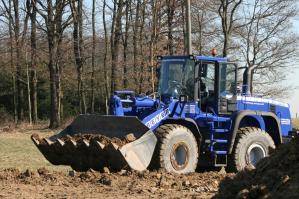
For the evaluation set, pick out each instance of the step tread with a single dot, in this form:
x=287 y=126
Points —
x=220 y=152
x=221 y=130
x=220 y=141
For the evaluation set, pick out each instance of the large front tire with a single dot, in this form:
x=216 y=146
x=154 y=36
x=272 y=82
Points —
x=177 y=149
x=251 y=145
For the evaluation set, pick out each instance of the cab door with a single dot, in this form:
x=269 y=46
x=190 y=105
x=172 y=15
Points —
x=228 y=88
x=207 y=86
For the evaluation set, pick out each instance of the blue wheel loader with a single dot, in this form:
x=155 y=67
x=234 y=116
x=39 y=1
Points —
x=200 y=115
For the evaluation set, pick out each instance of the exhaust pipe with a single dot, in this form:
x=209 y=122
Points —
x=247 y=78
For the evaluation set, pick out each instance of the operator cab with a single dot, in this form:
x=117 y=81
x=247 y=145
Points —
x=210 y=81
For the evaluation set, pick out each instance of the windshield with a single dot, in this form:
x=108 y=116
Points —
x=177 y=78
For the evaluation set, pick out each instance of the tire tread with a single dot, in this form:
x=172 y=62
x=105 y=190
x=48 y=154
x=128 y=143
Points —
x=242 y=134
x=164 y=133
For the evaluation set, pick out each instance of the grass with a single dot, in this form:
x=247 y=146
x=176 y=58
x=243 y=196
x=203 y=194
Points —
x=295 y=123
x=18 y=151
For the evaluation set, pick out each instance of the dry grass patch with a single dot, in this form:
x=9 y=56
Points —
x=295 y=123
x=18 y=151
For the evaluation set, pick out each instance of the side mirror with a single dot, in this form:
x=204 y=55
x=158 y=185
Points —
x=203 y=70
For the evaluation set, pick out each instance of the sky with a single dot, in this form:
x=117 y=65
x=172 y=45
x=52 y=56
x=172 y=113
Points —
x=293 y=79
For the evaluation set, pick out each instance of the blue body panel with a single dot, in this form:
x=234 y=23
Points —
x=281 y=110
x=152 y=112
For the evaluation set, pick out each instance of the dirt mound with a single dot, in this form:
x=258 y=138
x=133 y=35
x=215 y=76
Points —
x=122 y=184
x=98 y=137
x=275 y=177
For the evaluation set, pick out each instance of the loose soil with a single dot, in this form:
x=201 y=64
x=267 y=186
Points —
x=43 y=183
x=34 y=177
x=26 y=180
x=275 y=177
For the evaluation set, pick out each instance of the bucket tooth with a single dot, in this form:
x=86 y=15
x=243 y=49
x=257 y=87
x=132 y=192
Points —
x=73 y=142
x=70 y=145
x=86 y=143
x=116 y=147
x=69 y=149
x=101 y=145
x=48 y=142
x=96 y=144
x=59 y=152
x=115 y=159
x=36 y=140
x=69 y=137
x=83 y=142
x=61 y=143
x=77 y=153
x=51 y=151
x=97 y=155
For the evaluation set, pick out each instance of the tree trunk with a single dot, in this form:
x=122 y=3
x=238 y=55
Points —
x=10 y=28
x=116 y=35
x=78 y=52
x=225 y=44
x=28 y=90
x=54 y=33
x=135 y=45
x=153 y=41
x=20 y=90
x=33 y=63
x=227 y=11
x=125 y=45
x=93 y=56
x=170 y=16
x=142 y=72
x=54 y=84
x=105 y=59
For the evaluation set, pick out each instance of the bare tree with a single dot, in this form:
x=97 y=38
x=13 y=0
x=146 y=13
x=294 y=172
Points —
x=171 y=7
x=204 y=27
x=12 y=62
x=125 y=41
x=154 y=7
x=20 y=89
x=31 y=10
x=227 y=11
x=77 y=14
x=135 y=42
x=93 y=21
x=55 y=26
x=18 y=34
x=106 y=41
x=266 y=44
x=115 y=42
x=120 y=53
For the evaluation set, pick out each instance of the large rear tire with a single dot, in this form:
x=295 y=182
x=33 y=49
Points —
x=251 y=145
x=176 y=150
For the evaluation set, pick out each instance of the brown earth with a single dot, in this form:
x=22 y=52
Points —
x=125 y=184
x=275 y=177
x=27 y=181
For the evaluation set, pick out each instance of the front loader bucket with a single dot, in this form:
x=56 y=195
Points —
x=93 y=141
